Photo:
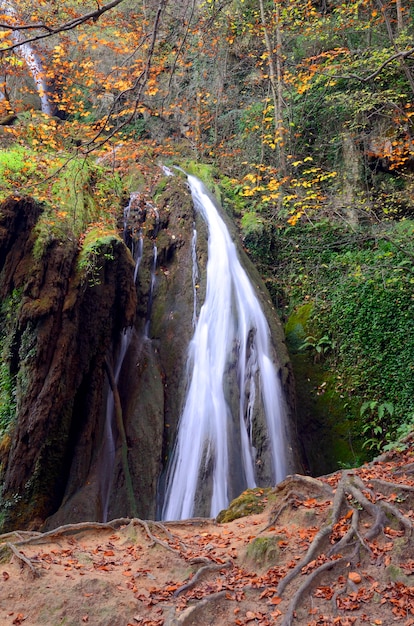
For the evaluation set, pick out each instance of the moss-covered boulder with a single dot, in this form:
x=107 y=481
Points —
x=250 y=502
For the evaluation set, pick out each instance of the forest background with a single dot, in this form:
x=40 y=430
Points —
x=298 y=114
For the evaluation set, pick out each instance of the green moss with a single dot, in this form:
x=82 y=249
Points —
x=296 y=327
x=17 y=167
x=8 y=314
x=206 y=173
x=98 y=246
x=327 y=422
x=396 y=575
x=346 y=294
x=7 y=398
x=250 y=502
x=264 y=550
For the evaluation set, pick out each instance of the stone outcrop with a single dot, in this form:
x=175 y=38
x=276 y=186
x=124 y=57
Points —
x=56 y=329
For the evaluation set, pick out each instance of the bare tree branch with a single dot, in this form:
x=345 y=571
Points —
x=70 y=25
x=398 y=55
x=138 y=87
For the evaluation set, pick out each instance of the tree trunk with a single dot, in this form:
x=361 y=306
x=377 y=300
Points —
x=388 y=25
x=275 y=77
x=400 y=22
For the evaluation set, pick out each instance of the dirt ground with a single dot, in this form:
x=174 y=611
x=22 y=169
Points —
x=332 y=551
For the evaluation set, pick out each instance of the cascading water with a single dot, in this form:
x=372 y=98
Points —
x=195 y=274
x=231 y=338
x=151 y=291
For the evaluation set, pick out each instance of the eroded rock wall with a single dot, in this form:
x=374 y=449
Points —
x=56 y=330
x=152 y=378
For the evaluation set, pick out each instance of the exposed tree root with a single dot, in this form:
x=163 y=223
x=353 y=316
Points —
x=360 y=503
x=406 y=469
x=389 y=486
x=34 y=538
x=295 y=485
x=213 y=567
x=70 y=529
x=189 y=614
x=193 y=521
x=20 y=534
x=316 y=544
x=289 y=615
x=333 y=551
x=346 y=539
x=145 y=524
x=161 y=526
x=22 y=558
x=404 y=521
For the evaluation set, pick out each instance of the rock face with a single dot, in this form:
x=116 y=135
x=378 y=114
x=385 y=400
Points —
x=63 y=313
x=56 y=329
x=152 y=373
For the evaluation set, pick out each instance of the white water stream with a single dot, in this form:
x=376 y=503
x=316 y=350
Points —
x=231 y=328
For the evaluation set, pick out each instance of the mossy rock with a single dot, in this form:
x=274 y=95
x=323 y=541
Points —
x=264 y=550
x=250 y=502
x=296 y=328
x=396 y=575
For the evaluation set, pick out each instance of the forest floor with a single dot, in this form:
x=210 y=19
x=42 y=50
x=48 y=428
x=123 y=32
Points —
x=338 y=550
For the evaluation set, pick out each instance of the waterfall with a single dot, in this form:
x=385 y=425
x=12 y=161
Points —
x=231 y=339
x=151 y=290
x=195 y=274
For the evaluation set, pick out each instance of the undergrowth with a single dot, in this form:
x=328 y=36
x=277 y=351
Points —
x=74 y=191
x=358 y=283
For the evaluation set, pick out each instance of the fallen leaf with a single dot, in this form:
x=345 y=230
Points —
x=355 y=577
x=275 y=600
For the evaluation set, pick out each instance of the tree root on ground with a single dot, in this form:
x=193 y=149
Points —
x=193 y=521
x=315 y=546
x=20 y=534
x=26 y=538
x=22 y=558
x=189 y=614
x=384 y=484
x=335 y=530
x=289 y=615
x=369 y=515
x=296 y=486
x=207 y=569
x=155 y=540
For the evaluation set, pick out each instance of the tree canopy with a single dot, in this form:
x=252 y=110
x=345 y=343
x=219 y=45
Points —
x=303 y=107
x=281 y=95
